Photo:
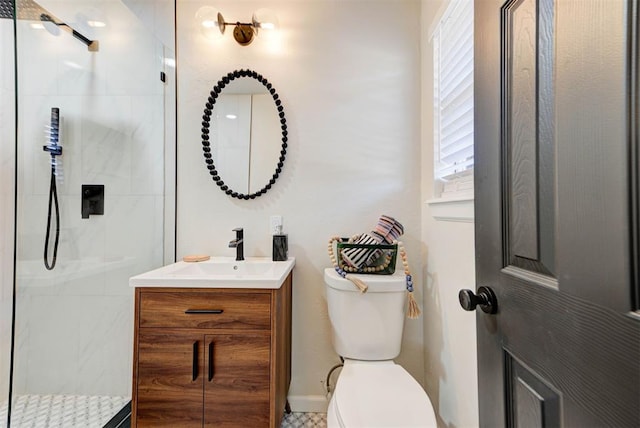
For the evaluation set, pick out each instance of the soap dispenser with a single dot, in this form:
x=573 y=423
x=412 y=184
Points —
x=280 y=245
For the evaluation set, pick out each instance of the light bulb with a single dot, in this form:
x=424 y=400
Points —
x=265 y=20
x=210 y=21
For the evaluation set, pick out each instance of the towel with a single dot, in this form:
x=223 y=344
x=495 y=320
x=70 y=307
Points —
x=387 y=231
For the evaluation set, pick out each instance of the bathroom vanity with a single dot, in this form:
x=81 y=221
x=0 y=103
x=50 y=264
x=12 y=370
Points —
x=211 y=356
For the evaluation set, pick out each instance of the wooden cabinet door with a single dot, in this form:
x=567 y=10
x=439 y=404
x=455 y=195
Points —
x=236 y=379
x=170 y=379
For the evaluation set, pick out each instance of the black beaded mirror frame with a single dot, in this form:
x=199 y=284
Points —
x=206 y=119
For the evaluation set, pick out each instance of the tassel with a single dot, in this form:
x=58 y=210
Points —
x=414 y=310
x=358 y=283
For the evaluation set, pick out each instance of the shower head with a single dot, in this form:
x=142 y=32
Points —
x=53 y=26
x=29 y=10
x=53 y=146
x=49 y=24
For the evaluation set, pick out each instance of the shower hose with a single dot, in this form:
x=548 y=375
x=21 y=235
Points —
x=53 y=200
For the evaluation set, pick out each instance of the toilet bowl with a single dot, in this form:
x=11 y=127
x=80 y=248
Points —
x=372 y=390
x=378 y=394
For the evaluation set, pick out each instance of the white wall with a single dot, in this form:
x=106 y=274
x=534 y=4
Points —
x=348 y=76
x=74 y=324
x=448 y=265
x=7 y=170
x=348 y=79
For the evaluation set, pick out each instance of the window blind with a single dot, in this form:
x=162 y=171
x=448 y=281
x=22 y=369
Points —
x=453 y=92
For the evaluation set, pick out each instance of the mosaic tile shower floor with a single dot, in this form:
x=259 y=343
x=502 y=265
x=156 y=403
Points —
x=77 y=411
x=62 y=411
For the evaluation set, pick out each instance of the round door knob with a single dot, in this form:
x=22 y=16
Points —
x=485 y=298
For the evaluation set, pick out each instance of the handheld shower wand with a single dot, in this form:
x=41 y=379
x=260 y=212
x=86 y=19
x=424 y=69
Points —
x=55 y=149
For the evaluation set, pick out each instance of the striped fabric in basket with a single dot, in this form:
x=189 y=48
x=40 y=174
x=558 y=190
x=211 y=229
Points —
x=361 y=257
x=387 y=230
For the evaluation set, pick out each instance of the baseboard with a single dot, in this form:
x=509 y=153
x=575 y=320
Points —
x=298 y=403
x=308 y=403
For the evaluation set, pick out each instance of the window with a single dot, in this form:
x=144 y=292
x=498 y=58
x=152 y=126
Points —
x=453 y=100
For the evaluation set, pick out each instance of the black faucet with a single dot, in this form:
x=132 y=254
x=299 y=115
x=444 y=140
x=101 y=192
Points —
x=238 y=243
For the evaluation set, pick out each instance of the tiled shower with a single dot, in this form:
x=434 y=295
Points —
x=70 y=332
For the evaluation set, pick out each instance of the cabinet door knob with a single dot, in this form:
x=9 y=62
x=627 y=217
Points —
x=194 y=372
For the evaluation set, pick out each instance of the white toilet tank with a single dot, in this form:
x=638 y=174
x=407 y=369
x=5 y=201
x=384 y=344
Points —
x=366 y=326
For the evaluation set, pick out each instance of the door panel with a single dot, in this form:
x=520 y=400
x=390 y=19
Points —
x=553 y=222
x=528 y=127
x=530 y=401
x=592 y=86
x=522 y=112
x=169 y=389
x=236 y=392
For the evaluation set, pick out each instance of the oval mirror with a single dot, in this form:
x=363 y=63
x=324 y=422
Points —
x=244 y=134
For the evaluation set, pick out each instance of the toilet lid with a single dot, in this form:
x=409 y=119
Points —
x=381 y=395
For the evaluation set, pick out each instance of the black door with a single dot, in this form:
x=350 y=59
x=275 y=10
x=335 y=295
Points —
x=556 y=212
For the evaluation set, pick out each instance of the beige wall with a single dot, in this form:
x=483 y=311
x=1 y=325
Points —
x=347 y=73
x=448 y=266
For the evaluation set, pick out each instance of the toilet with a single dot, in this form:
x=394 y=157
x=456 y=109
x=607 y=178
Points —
x=372 y=390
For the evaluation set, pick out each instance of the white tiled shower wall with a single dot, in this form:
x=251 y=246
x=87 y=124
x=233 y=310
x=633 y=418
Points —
x=7 y=133
x=74 y=324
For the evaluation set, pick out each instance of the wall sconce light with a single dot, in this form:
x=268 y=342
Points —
x=212 y=24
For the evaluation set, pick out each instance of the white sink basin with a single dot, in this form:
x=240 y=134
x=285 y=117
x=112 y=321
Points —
x=218 y=272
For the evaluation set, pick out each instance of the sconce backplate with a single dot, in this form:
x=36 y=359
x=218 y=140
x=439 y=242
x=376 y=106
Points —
x=243 y=33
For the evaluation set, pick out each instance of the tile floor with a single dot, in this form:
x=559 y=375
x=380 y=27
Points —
x=77 y=411
x=304 y=420
x=62 y=411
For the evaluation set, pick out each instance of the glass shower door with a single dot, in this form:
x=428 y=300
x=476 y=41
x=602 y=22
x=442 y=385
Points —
x=103 y=72
x=7 y=199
